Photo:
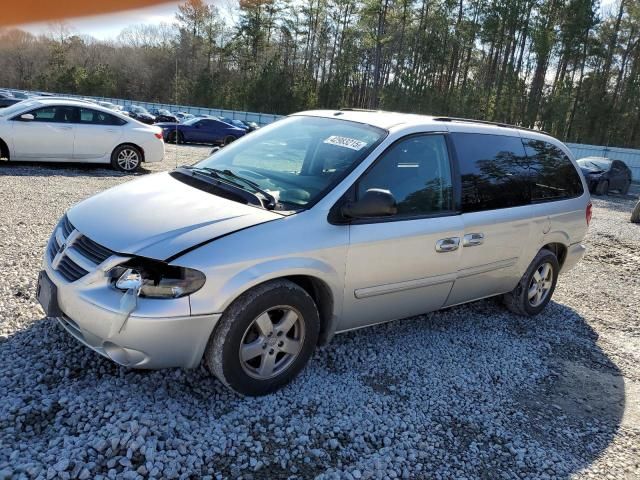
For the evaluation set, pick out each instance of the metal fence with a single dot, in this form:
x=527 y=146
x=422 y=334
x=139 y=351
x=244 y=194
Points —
x=260 y=118
x=627 y=155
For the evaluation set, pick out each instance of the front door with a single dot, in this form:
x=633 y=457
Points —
x=405 y=264
x=49 y=136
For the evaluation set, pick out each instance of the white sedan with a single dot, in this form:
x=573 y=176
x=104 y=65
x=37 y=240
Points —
x=55 y=130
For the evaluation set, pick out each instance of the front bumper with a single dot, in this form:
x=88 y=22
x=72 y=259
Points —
x=155 y=333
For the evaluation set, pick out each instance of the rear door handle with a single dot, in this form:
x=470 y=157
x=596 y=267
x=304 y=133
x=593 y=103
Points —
x=473 y=239
x=447 y=244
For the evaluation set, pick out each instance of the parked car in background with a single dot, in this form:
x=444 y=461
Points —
x=238 y=123
x=21 y=95
x=201 y=130
x=54 y=130
x=141 y=114
x=182 y=116
x=7 y=99
x=604 y=174
x=320 y=223
x=163 y=115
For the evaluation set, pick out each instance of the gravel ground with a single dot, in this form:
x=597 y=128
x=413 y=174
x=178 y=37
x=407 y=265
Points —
x=470 y=392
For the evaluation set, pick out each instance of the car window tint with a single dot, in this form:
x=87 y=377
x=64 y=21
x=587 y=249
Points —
x=494 y=171
x=57 y=114
x=417 y=172
x=553 y=176
x=94 y=117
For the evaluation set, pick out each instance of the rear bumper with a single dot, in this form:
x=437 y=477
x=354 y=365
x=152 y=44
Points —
x=575 y=253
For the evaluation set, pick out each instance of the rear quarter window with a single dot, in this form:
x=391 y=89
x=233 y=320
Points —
x=553 y=176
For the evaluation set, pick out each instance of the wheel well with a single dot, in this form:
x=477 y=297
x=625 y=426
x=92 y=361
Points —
x=129 y=144
x=4 y=150
x=559 y=250
x=321 y=294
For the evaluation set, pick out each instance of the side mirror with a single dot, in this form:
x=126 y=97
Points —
x=27 y=117
x=374 y=203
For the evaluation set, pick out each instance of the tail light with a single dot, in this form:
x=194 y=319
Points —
x=589 y=213
x=158 y=135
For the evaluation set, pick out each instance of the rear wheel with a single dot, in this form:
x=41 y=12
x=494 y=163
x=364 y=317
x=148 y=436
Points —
x=175 y=137
x=536 y=286
x=625 y=188
x=635 y=215
x=264 y=338
x=602 y=188
x=126 y=158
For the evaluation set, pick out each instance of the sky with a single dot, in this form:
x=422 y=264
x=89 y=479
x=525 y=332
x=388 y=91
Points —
x=106 y=27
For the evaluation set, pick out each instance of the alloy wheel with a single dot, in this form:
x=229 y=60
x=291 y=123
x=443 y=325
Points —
x=272 y=342
x=128 y=159
x=540 y=284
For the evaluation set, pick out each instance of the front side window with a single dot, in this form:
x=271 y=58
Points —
x=56 y=114
x=553 y=176
x=417 y=172
x=494 y=171
x=299 y=158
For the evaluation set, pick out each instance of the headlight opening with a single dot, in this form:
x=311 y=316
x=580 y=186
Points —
x=154 y=279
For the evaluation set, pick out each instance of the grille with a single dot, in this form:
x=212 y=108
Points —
x=92 y=253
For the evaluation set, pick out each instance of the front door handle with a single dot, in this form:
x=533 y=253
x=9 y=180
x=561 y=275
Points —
x=447 y=244
x=473 y=239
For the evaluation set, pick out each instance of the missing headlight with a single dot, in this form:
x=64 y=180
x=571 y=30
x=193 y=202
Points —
x=154 y=279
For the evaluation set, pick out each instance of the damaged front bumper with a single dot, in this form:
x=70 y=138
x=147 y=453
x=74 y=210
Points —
x=134 y=332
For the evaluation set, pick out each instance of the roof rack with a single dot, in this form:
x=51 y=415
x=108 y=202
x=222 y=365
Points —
x=357 y=110
x=486 y=122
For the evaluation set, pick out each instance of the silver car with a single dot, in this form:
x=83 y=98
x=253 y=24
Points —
x=323 y=222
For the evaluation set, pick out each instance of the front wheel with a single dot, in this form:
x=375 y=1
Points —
x=602 y=188
x=264 y=338
x=126 y=158
x=536 y=286
x=227 y=140
x=175 y=137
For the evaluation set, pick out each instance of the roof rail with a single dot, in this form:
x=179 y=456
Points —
x=358 y=110
x=486 y=122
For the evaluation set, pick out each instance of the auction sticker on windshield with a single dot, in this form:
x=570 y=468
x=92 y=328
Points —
x=351 y=143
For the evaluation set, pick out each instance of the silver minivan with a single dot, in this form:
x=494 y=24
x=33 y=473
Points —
x=323 y=222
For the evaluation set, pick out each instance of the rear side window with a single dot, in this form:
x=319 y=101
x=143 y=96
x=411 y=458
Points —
x=94 y=117
x=553 y=176
x=494 y=171
x=416 y=170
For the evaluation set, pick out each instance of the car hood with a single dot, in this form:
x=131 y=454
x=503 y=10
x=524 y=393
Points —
x=158 y=217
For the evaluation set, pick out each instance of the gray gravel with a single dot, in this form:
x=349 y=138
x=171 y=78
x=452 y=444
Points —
x=470 y=392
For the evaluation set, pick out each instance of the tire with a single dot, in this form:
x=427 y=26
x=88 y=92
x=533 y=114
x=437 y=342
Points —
x=267 y=366
x=602 y=188
x=519 y=300
x=228 y=140
x=625 y=188
x=635 y=215
x=126 y=158
x=175 y=138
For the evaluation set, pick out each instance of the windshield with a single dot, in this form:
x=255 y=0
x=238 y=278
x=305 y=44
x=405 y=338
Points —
x=17 y=108
x=298 y=159
x=192 y=120
x=594 y=163
x=139 y=110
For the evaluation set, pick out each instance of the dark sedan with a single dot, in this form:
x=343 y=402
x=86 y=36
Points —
x=604 y=174
x=7 y=99
x=141 y=114
x=201 y=130
x=163 y=115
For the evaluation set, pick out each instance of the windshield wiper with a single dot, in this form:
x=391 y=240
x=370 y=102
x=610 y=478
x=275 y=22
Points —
x=271 y=200
x=268 y=202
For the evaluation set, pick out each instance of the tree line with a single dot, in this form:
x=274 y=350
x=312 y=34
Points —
x=557 y=65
